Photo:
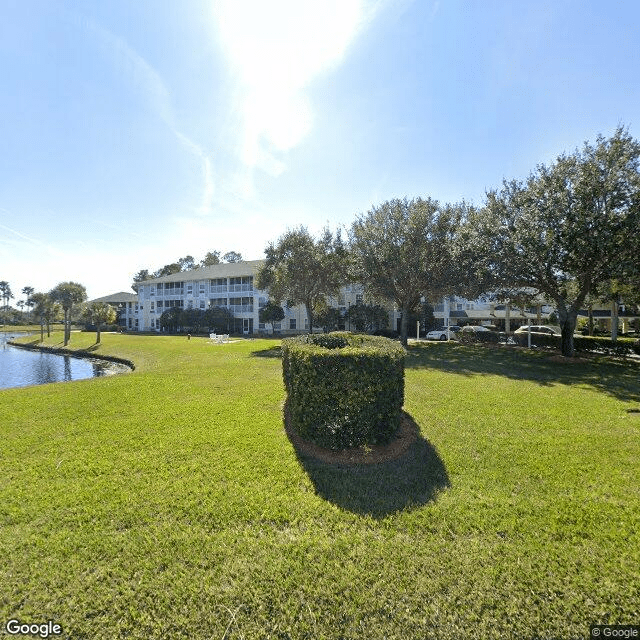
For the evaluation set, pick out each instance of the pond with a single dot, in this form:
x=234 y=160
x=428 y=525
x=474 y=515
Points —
x=23 y=367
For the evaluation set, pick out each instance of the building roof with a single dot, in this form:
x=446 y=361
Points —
x=117 y=298
x=222 y=270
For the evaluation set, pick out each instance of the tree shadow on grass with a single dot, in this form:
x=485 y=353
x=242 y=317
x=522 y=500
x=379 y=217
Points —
x=620 y=379
x=272 y=352
x=383 y=488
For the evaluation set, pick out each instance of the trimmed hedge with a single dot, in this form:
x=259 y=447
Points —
x=343 y=389
x=474 y=337
x=621 y=348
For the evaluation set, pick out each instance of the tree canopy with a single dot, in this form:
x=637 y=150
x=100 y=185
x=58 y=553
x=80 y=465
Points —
x=5 y=292
x=45 y=309
x=300 y=269
x=567 y=230
x=68 y=294
x=270 y=313
x=403 y=250
x=99 y=313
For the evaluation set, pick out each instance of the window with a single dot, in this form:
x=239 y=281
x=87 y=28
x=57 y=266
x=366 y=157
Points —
x=152 y=307
x=242 y=283
x=202 y=304
x=218 y=285
x=292 y=323
x=190 y=289
x=358 y=298
x=241 y=304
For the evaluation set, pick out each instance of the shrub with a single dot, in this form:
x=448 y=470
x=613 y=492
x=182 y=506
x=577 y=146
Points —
x=387 y=333
x=621 y=348
x=474 y=337
x=343 y=390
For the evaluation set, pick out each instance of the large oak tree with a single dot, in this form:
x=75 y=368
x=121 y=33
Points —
x=402 y=250
x=568 y=229
x=300 y=269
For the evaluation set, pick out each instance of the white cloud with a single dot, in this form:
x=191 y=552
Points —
x=275 y=50
x=149 y=84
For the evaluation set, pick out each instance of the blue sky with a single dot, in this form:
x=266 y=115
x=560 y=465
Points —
x=135 y=133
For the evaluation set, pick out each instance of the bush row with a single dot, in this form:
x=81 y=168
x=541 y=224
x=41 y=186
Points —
x=343 y=390
x=474 y=337
x=584 y=344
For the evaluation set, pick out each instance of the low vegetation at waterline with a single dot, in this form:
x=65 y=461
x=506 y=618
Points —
x=169 y=503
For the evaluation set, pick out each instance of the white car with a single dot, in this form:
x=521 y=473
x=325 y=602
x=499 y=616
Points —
x=474 y=328
x=442 y=333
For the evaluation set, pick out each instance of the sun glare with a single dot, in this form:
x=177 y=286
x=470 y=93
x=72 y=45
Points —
x=274 y=51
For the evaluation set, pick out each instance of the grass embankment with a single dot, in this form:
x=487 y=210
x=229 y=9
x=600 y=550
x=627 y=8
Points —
x=168 y=502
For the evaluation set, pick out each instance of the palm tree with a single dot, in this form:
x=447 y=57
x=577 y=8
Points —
x=68 y=294
x=29 y=303
x=99 y=313
x=46 y=309
x=5 y=293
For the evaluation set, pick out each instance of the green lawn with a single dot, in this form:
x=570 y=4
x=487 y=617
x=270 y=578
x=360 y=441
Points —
x=169 y=503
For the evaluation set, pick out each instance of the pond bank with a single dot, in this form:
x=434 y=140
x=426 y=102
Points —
x=77 y=353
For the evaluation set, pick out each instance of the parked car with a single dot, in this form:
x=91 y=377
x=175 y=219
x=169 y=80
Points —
x=474 y=328
x=537 y=328
x=442 y=333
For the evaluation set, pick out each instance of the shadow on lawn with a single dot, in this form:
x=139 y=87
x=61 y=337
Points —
x=380 y=489
x=273 y=352
x=616 y=378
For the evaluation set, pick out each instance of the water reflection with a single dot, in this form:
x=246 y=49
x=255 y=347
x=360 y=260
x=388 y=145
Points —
x=20 y=367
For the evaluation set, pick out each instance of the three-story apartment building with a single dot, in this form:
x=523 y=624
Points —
x=228 y=285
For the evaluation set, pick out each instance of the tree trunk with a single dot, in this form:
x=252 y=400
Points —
x=614 y=321
x=403 y=326
x=98 y=333
x=309 y=309
x=67 y=316
x=567 y=319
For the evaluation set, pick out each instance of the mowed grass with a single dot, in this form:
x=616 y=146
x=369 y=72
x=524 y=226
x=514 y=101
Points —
x=169 y=503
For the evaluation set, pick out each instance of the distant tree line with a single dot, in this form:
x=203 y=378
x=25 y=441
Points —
x=188 y=263
x=219 y=319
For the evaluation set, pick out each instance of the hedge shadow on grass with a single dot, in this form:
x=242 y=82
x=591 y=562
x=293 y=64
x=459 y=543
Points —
x=383 y=488
x=615 y=378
